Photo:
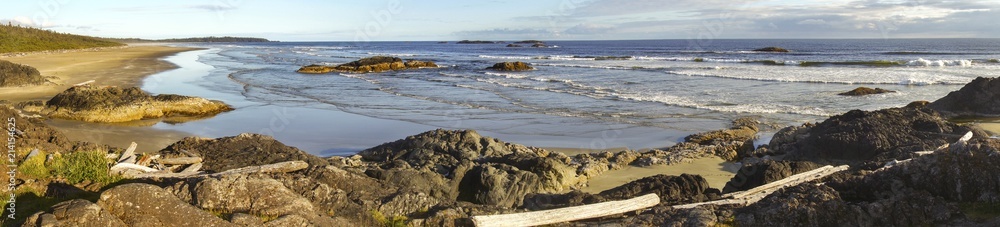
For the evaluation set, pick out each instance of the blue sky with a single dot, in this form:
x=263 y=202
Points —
x=512 y=20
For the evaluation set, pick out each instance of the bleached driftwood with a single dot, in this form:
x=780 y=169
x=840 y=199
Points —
x=188 y=153
x=569 y=213
x=281 y=167
x=756 y=194
x=121 y=167
x=193 y=168
x=85 y=83
x=180 y=161
x=129 y=153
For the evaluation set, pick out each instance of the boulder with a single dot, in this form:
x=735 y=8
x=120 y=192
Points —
x=859 y=136
x=77 y=212
x=767 y=171
x=861 y=91
x=511 y=66
x=369 y=65
x=16 y=75
x=463 y=165
x=244 y=150
x=729 y=144
x=115 y=104
x=979 y=98
x=254 y=195
x=138 y=204
x=772 y=49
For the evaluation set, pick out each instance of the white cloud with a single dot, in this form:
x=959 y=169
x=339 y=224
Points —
x=812 y=22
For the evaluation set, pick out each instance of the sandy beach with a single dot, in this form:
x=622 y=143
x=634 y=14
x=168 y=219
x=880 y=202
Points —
x=124 y=67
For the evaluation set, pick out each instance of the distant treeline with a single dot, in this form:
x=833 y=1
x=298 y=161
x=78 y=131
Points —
x=14 y=38
x=211 y=39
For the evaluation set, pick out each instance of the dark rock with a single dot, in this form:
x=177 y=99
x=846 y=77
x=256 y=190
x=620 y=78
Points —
x=979 y=98
x=239 y=151
x=15 y=75
x=513 y=45
x=35 y=134
x=139 y=204
x=772 y=49
x=553 y=201
x=369 y=65
x=350 y=196
x=860 y=91
x=77 y=212
x=463 y=165
x=918 y=104
x=530 y=41
x=538 y=45
x=116 y=104
x=672 y=190
x=511 y=66
x=858 y=136
x=475 y=42
x=757 y=174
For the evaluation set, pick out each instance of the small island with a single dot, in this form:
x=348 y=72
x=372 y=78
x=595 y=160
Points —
x=861 y=91
x=476 y=42
x=511 y=66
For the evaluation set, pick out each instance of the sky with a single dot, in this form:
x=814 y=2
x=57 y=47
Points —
x=408 y=20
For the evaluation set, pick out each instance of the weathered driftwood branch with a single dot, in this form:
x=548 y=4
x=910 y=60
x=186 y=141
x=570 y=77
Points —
x=121 y=167
x=569 y=213
x=85 y=83
x=179 y=161
x=193 y=168
x=281 y=167
x=756 y=194
x=129 y=153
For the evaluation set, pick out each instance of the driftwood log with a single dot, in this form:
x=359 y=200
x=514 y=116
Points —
x=552 y=216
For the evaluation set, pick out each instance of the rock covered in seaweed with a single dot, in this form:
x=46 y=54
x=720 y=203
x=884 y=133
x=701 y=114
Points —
x=115 y=104
x=511 y=66
x=860 y=91
x=979 y=98
x=369 y=65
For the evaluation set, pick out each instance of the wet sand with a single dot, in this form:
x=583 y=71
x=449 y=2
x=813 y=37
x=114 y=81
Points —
x=716 y=170
x=112 y=66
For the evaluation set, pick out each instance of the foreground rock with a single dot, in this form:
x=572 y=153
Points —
x=465 y=166
x=115 y=104
x=860 y=91
x=239 y=151
x=511 y=66
x=77 y=212
x=149 y=205
x=15 y=75
x=757 y=174
x=859 y=136
x=772 y=49
x=979 y=98
x=369 y=65
x=672 y=190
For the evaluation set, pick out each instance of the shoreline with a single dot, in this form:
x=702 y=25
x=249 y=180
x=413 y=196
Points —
x=121 y=66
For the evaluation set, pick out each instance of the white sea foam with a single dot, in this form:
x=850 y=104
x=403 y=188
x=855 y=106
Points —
x=737 y=108
x=507 y=75
x=391 y=54
x=508 y=57
x=835 y=75
x=939 y=63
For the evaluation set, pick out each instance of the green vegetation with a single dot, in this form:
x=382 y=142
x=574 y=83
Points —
x=210 y=39
x=13 y=74
x=394 y=221
x=25 y=39
x=85 y=165
x=34 y=167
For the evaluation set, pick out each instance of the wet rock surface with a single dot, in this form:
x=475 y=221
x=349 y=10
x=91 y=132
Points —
x=115 y=104
x=369 y=65
x=511 y=66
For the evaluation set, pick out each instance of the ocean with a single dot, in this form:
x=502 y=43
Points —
x=583 y=94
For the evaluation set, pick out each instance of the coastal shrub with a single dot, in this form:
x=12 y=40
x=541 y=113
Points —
x=393 y=221
x=85 y=165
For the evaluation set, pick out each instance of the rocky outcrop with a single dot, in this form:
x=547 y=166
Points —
x=979 y=98
x=514 y=45
x=239 y=151
x=466 y=166
x=861 y=91
x=32 y=133
x=859 y=136
x=139 y=204
x=757 y=174
x=15 y=75
x=772 y=49
x=77 y=212
x=681 y=189
x=115 y=104
x=538 y=45
x=369 y=65
x=511 y=66
x=730 y=143
x=475 y=42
